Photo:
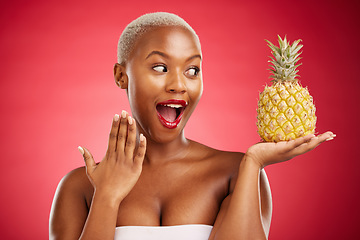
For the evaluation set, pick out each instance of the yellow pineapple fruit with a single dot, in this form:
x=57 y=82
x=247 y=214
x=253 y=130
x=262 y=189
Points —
x=285 y=109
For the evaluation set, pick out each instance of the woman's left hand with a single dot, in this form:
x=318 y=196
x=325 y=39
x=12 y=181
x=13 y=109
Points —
x=266 y=153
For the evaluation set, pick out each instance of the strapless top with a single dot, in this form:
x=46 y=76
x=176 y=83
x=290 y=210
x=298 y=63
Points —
x=177 y=232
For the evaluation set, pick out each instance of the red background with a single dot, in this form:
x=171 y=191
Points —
x=57 y=92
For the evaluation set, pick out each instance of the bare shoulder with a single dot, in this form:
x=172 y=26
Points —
x=74 y=183
x=223 y=160
x=229 y=162
x=70 y=205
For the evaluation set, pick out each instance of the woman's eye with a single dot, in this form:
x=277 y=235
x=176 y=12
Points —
x=160 y=68
x=193 y=71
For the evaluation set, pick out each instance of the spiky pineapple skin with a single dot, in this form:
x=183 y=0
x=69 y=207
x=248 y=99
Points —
x=285 y=111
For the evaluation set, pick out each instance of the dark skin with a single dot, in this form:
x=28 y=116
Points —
x=163 y=178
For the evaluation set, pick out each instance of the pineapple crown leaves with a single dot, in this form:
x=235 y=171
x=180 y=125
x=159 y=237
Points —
x=284 y=60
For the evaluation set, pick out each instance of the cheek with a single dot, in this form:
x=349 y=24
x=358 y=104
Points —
x=195 y=90
x=138 y=94
x=145 y=86
x=142 y=92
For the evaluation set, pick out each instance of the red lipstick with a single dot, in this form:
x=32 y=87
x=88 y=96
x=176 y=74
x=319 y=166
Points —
x=170 y=112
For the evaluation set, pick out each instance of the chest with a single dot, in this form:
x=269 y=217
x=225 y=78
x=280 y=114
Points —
x=174 y=196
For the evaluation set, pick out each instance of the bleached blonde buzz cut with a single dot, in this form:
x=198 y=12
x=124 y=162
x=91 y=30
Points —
x=143 y=24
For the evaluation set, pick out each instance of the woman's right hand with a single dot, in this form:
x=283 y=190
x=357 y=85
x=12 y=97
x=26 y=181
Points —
x=118 y=172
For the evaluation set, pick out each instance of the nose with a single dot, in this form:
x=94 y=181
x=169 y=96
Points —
x=176 y=83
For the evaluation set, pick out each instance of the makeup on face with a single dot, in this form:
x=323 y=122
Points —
x=170 y=112
x=165 y=82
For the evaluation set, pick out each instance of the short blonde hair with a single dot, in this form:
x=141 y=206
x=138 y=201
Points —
x=141 y=25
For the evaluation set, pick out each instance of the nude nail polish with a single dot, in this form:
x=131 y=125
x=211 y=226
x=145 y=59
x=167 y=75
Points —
x=81 y=150
x=116 y=117
x=130 y=120
x=123 y=114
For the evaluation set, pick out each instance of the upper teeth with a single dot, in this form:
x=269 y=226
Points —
x=173 y=105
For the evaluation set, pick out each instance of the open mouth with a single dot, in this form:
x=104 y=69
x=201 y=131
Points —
x=170 y=112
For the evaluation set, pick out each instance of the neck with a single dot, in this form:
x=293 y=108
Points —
x=160 y=152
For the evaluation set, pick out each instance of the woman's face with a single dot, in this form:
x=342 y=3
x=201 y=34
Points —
x=164 y=81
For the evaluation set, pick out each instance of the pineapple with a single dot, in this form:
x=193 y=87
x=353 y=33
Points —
x=285 y=109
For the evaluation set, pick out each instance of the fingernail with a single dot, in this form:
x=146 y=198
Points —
x=123 y=114
x=142 y=138
x=130 y=120
x=116 y=117
x=81 y=150
x=330 y=138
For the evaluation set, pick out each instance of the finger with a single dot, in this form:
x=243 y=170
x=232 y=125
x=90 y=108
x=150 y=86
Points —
x=327 y=136
x=89 y=160
x=131 y=139
x=307 y=146
x=313 y=143
x=121 y=135
x=322 y=138
x=140 y=152
x=113 y=136
x=298 y=142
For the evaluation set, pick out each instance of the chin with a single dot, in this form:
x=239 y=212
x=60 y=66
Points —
x=166 y=135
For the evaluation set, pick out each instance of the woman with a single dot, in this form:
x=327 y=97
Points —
x=154 y=179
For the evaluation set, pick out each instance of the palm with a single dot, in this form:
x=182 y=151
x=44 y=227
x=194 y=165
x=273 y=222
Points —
x=121 y=167
x=267 y=153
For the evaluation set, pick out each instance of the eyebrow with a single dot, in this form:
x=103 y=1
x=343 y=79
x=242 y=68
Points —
x=166 y=56
x=158 y=53
x=195 y=56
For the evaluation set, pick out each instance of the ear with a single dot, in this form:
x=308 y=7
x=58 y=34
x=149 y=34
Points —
x=121 y=78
